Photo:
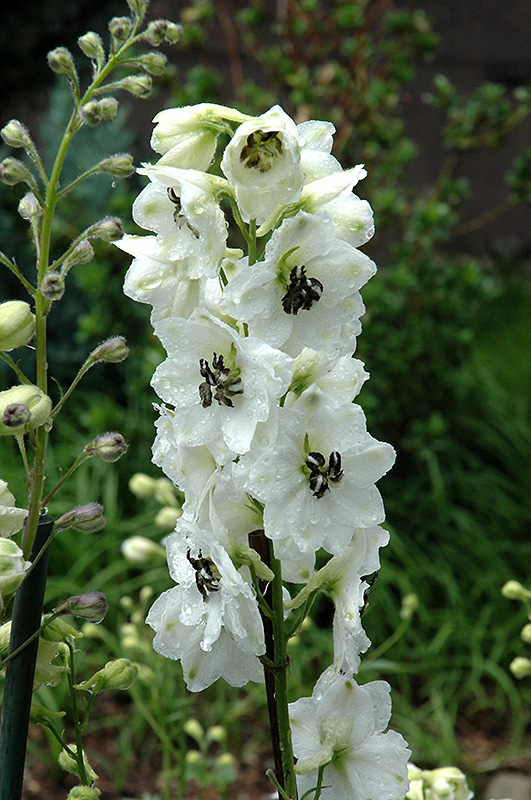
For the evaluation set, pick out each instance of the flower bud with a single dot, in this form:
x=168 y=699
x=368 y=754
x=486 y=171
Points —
x=153 y=63
x=28 y=395
x=92 y=46
x=167 y=517
x=514 y=590
x=87 y=519
x=216 y=733
x=108 y=447
x=83 y=793
x=52 y=286
x=40 y=715
x=193 y=757
x=193 y=728
x=118 y=674
x=70 y=764
x=91 y=112
x=142 y=485
x=137 y=85
x=120 y=165
x=91 y=606
x=13 y=171
x=120 y=28
x=11 y=517
x=226 y=761
x=525 y=633
x=15 y=134
x=109 y=108
x=109 y=229
x=113 y=351
x=13 y=566
x=161 y=30
x=410 y=603
x=16 y=414
x=165 y=493
x=29 y=207
x=17 y=324
x=520 y=667
x=138 y=7
x=83 y=253
x=60 y=60
x=139 y=550
x=59 y=631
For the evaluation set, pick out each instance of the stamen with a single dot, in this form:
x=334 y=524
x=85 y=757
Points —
x=261 y=150
x=178 y=217
x=227 y=384
x=302 y=292
x=207 y=577
x=320 y=475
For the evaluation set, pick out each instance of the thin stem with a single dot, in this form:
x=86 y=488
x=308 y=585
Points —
x=82 y=371
x=24 y=455
x=252 y=242
x=20 y=375
x=77 y=463
x=393 y=639
x=73 y=699
x=15 y=270
x=32 y=637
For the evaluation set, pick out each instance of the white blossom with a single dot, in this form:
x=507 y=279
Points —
x=341 y=728
x=315 y=142
x=11 y=517
x=305 y=293
x=210 y=620
x=263 y=162
x=339 y=377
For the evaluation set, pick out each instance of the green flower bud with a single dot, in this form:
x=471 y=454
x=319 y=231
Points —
x=514 y=590
x=410 y=603
x=165 y=493
x=161 y=30
x=139 y=550
x=92 y=46
x=137 y=85
x=16 y=414
x=15 y=134
x=138 y=7
x=109 y=108
x=120 y=165
x=142 y=485
x=91 y=606
x=87 y=519
x=173 y=32
x=13 y=566
x=29 y=207
x=60 y=60
x=109 y=229
x=118 y=674
x=17 y=324
x=120 y=28
x=91 y=112
x=52 y=286
x=108 y=447
x=153 y=63
x=70 y=764
x=84 y=793
x=113 y=351
x=13 y=171
x=59 y=631
x=526 y=633
x=216 y=733
x=83 y=253
x=520 y=667
x=167 y=517
x=28 y=395
x=194 y=729
x=40 y=715
x=193 y=757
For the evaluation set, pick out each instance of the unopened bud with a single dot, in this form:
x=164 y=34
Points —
x=52 y=286
x=83 y=253
x=142 y=485
x=15 y=134
x=109 y=108
x=13 y=171
x=91 y=112
x=165 y=493
x=153 y=63
x=17 y=324
x=410 y=603
x=59 y=631
x=15 y=415
x=13 y=566
x=138 y=7
x=120 y=28
x=120 y=165
x=38 y=403
x=71 y=765
x=118 y=674
x=162 y=30
x=109 y=229
x=167 y=517
x=84 y=793
x=139 y=550
x=216 y=733
x=525 y=633
x=60 y=60
x=514 y=590
x=113 y=351
x=29 y=207
x=520 y=667
x=40 y=715
x=91 y=45
x=92 y=606
x=137 y=85
x=192 y=727
x=193 y=757
x=226 y=761
x=88 y=519
x=108 y=447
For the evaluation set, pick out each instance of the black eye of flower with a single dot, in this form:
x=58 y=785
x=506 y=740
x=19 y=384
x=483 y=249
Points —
x=207 y=577
x=178 y=217
x=227 y=384
x=320 y=474
x=302 y=292
x=261 y=149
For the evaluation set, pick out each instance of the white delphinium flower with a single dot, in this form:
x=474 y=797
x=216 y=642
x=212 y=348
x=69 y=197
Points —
x=341 y=728
x=221 y=385
x=182 y=207
x=263 y=162
x=315 y=142
x=187 y=136
x=210 y=620
x=11 y=517
x=339 y=377
x=444 y=783
x=305 y=292
x=318 y=482
x=343 y=579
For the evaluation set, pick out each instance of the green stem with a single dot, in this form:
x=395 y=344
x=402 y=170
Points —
x=73 y=699
x=20 y=375
x=252 y=242
x=77 y=463
x=398 y=633
x=38 y=632
x=15 y=270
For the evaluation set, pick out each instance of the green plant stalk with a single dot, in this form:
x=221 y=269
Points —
x=77 y=723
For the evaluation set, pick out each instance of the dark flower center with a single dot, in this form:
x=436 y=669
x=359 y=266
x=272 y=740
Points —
x=322 y=474
x=178 y=217
x=207 y=577
x=220 y=383
x=302 y=292
x=261 y=150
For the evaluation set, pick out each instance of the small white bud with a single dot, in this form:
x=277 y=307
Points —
x=38 y=403
x=108 y=447
x=17 y=324
x=118 y=674
x=29 y=207
x=113 y=351
x=13 y=171
x=92 y=46
x=15 y=134
x=120 y=28
x=520 y=667
x=142 y=485
x=139 y=550
x=514 y=590
x=60 y=60
x=109 y=229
